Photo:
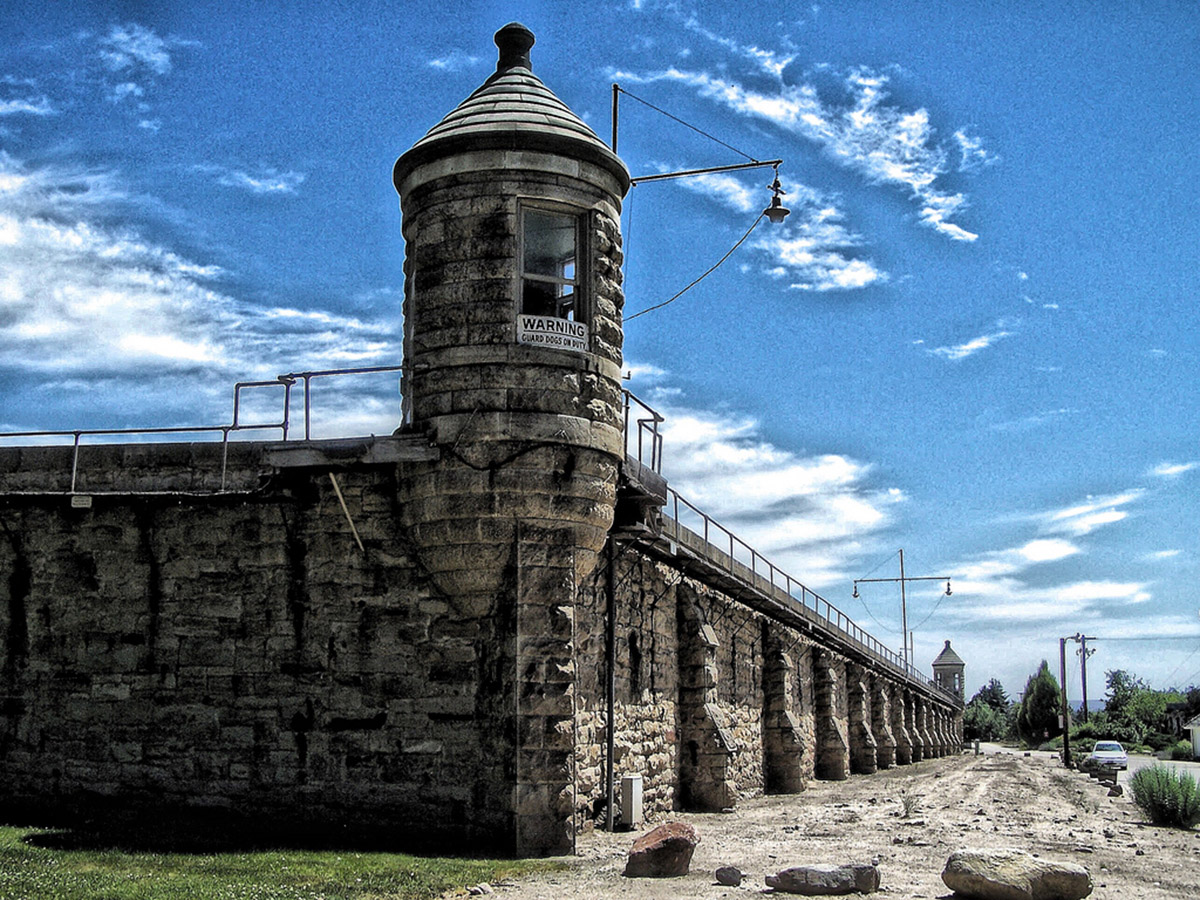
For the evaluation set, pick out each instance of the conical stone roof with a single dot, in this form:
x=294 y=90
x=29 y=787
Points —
x=948 y=657
x=512 y=110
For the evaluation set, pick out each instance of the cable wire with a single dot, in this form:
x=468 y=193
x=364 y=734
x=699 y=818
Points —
x=686 y=124
x=715 y=266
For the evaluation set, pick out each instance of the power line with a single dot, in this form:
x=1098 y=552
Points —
x=712 y=269
x=685 y=124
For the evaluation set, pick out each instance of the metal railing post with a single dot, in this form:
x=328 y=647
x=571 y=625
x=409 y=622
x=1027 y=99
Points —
x=75 y=460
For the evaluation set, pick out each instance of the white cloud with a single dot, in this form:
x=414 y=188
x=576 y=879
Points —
x=971 y=347
x=269 y=181
x=263 y=180
x=767 y=60
x=1094 y=513
x=1172 y=470
x=454 y=61
x=1004 y=564
x=82 y=299
x=125 y=90
x=726 y=190
x=860 y=130
x=30 y=106
x=972 y=154
x=808 y=514
x=1034 y=421
x=132 y=47
x=1089 y=592
x=813 y=246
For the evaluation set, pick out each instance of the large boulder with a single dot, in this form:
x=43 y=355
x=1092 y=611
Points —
x=1013 y=875
x=826 y=880
x=665 y=852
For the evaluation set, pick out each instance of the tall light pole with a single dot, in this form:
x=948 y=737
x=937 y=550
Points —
x=1066 y=710
x=903 y=599
x=1084 y=653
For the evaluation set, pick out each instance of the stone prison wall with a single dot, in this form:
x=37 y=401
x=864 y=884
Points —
x=179 y=646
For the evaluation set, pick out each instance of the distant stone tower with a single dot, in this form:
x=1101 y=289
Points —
x=948 y=671
x=512 y=347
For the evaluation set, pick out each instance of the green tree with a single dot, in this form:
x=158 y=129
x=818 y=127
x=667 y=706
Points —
x=993 y=694
x=1134 y=707
x=988 y=717
x=984 y=723
x=1122 y=688
x=1037 y=719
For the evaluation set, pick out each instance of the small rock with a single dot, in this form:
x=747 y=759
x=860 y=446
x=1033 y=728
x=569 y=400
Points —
x=1116 y=791
x=664 y=852
x=480 y=889
x=825 y=880
x=730 y=876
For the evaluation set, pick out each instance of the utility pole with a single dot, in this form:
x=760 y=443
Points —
x=903 y=600
x=1066 y=711
x=1084 y=653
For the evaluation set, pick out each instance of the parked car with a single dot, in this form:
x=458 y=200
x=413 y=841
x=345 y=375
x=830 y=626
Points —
x=1108 y=755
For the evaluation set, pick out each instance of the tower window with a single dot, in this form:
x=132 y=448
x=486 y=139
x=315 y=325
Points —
x=550 y=277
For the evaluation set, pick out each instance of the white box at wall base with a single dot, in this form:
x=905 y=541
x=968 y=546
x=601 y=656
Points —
x=631 y=801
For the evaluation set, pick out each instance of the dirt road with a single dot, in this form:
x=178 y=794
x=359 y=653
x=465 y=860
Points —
x=1004 y=800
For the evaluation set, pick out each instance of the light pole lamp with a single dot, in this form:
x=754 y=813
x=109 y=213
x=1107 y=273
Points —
x=903 y=580
x=776 y=212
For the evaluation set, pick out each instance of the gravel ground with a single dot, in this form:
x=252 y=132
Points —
x=1002 y=800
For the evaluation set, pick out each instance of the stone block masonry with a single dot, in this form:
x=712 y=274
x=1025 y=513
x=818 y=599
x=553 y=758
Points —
x=238 y=652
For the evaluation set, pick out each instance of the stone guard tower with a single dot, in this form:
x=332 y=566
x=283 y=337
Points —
x=512 y=343
x=948 y=670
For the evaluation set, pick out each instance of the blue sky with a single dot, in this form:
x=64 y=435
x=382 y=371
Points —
x=974 y=338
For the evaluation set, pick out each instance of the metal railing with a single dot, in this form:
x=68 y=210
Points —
x=728 y=551
x=643 y=437
x=644 y=442
x=287 y=381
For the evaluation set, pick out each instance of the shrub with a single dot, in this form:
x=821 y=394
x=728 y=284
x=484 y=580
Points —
x=1167 y=797
x=1182 y=750
x=1158 y=740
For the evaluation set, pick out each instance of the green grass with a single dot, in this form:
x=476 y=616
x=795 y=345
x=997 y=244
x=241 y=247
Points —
x=31 y=871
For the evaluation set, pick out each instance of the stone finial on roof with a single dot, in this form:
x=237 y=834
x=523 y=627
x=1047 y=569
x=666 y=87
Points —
x=514 y=41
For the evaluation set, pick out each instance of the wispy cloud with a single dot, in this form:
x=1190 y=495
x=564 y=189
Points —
x=958 y=352
x=28 y=106
x=1031 y=422
x=768 y=61
x=1173 y=470
x=268 y=181
x=262 y=180
x=861 y=131
x=726 y=190
x=80 y=297
x=973 y=155
x=1159 y=555
x=1093 y=513
x=808 y=514
x=813 y=249
x=455 y=61
x=131 y=47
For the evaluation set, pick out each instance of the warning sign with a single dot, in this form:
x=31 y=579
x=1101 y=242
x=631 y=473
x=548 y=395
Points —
x=550 y=331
